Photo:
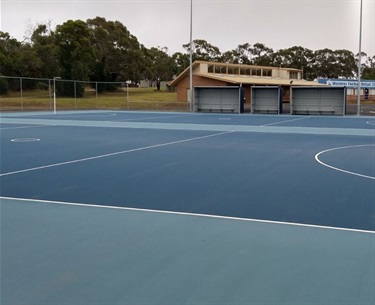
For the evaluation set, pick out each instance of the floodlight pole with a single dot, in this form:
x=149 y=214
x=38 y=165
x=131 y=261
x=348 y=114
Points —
x=359 y=63
x=191 y=57
x=54 y=93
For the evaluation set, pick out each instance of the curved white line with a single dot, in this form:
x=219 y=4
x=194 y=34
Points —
x=370 y=122
x=339 y=169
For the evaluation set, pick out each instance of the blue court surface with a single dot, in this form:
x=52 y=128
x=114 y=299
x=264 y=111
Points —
x=105 y=207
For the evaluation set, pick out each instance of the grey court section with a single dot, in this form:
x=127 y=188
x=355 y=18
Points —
x=69 y=254
x=206 y=127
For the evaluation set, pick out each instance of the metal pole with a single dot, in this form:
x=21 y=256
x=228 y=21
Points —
x=49 y=94
x=96 y=94
x=21 y=94
x=75 y=95
x=191 y=57
x=54 y=93
x=359 y=63
x=127 y=95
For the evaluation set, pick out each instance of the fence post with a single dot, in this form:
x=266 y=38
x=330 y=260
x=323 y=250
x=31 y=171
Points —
x=50 y=94
x=96 y=94
x=21 y=93
x=75 y=95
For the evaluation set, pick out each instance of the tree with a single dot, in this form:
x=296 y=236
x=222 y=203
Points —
x=4 y=86
x=322 y=64
x=43 y=42
x=17 y=59
x=262 y=55
x=118 y=54
x=257 y=54
x=369 y=69
x=28 y=63
x=345 y=64
x=159 y=65
x=333 y=64
x=295 y=57
x=76 y=54
x=242 y=54
x=10 y=48
x=181 y=62
x=105 y=51
x=202 y=50
x=229 y=57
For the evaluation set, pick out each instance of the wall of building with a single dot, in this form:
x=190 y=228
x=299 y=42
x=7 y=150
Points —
x=213 y=68
x=184 y=85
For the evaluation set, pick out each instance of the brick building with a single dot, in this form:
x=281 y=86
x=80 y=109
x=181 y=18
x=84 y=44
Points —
x=216 y=74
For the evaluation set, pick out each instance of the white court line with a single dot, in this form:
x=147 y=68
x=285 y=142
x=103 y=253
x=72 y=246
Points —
x=23 y=127
x=79 y=115
x=275 y=123
x=151 y=118
x=115 y=153
x=190 y=214
x=23 y=140
x=339 y=169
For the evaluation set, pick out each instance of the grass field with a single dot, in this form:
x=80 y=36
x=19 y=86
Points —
x=134 y=99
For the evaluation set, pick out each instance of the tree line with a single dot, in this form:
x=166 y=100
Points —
x=99 y=50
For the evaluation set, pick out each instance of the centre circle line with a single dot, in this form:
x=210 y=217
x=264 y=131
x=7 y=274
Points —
x=339 y=169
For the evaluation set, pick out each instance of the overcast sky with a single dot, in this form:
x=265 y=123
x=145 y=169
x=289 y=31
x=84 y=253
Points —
x=313 y=24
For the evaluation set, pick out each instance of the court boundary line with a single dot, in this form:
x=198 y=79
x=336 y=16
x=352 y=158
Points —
x=285 y=121
x=23 y=140
x=190 y=214
x=339 y=169
x=102 y=114
x=24 y=127
x=115 y=153
x=149 y=118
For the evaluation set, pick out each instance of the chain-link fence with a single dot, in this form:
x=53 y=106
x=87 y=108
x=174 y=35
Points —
x=30 y=94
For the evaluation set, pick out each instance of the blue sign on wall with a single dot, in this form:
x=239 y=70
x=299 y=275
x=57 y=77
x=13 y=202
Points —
x=349 y=83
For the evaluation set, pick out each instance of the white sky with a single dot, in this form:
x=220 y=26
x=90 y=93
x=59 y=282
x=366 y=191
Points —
x=279 y=24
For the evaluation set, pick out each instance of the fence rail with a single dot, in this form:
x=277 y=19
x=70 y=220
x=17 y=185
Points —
x=30 y=94
x=36 y=94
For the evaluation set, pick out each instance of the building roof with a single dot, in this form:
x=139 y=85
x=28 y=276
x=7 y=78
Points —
x=245 y=79
x=254 y=80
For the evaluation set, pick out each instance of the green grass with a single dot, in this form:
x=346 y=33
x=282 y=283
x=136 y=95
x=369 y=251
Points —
x=134 y=99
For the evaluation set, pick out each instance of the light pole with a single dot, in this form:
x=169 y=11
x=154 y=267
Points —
x=54 y=93
x=359 y=63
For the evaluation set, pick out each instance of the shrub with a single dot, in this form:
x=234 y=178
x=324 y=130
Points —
x=4 y=86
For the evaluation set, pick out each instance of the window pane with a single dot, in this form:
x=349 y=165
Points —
x=267 y=72
x=220 y=69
